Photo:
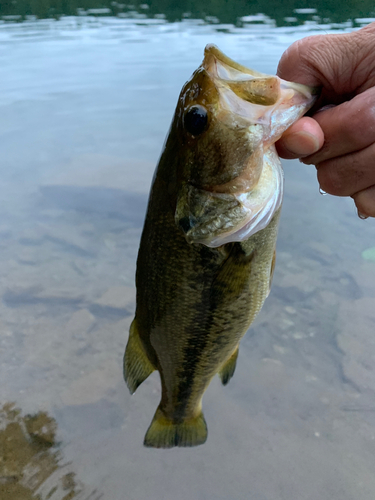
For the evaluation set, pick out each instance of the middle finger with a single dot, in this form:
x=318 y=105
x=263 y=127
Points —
x=348 y=174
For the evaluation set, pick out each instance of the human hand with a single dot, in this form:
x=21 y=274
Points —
x=339 y=138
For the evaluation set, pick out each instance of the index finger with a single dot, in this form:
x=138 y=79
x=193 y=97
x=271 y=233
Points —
x=347 y=128
x=341 y=64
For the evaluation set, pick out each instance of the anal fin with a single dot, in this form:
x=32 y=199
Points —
x=227 y=370
x=137 y=366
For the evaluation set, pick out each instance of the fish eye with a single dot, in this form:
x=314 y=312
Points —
x=195 y=119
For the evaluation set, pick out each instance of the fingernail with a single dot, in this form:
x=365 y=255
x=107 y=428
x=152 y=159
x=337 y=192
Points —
x=301 y=143
x=324 y=108
x=322 y=192
x=362 y=216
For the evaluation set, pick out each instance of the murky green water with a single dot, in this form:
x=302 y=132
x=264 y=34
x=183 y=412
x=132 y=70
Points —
x=85 y=104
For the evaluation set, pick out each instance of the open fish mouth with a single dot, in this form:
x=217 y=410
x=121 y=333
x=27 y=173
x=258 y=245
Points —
x=261 y=108
x=261 y=99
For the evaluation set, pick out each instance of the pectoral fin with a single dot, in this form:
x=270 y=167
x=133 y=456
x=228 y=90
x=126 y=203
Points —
x=227 y=370
x=137 y=366
x=272 y=268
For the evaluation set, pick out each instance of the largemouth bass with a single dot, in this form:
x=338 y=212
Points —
x=207 y=251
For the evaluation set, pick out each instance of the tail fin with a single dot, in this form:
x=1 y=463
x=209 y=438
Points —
x=164 y=433
x=137 y=366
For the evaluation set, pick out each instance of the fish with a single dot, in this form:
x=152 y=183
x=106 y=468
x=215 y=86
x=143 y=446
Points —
x=207 y=250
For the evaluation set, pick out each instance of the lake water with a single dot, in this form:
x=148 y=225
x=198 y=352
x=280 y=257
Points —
x=85 y=104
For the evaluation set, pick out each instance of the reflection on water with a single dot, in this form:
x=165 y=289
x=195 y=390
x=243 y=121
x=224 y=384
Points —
x=85 y=104
x=30 y=462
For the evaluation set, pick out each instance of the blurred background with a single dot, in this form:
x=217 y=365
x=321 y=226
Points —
x=87 y=93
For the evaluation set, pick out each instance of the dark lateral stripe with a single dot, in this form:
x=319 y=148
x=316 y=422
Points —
x=200 y=329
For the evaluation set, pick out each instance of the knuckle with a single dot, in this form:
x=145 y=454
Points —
x=367 y=124
x=312 y=51
x=301 y=61
x=362 y=118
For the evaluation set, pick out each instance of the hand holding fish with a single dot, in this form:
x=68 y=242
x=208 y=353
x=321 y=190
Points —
x=339 y=139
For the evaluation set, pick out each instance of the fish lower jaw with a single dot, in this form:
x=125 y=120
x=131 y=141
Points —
x=258 y=206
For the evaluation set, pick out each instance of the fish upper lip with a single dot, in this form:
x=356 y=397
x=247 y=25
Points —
x=255 y=97
x=212 y=52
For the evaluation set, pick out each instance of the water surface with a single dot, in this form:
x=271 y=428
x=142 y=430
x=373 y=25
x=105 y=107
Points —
x=85 y=104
